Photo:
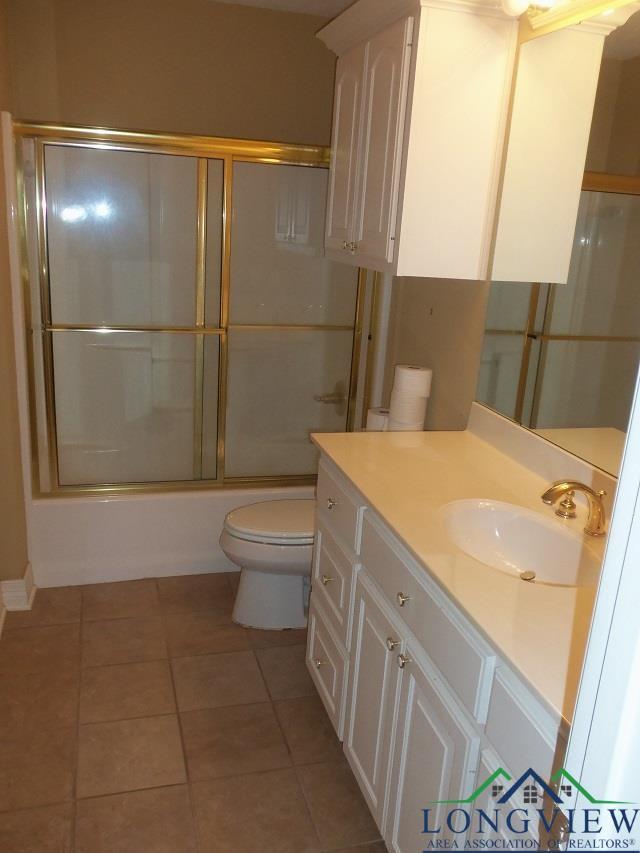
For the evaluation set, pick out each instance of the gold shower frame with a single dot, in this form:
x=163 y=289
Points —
x=203 y=148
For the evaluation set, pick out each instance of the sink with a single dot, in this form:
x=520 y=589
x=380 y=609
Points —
x=521 y=542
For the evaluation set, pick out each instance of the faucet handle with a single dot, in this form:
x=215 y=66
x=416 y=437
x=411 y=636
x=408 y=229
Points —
x=567 y=506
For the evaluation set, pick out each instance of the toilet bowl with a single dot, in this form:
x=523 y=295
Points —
x=272 y=543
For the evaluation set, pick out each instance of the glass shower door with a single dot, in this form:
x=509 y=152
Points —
x=291 y=323
x=122 y=314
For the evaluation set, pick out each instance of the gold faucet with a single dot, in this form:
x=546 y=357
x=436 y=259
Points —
x=566 y=489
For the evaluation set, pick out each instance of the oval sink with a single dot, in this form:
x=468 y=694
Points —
x=521 y=542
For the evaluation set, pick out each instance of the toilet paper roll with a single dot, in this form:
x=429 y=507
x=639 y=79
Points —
x=413 y=378
x=407 y=408
x=377 y=419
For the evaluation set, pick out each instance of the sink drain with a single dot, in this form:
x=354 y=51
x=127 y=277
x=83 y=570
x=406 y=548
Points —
x=528 y=576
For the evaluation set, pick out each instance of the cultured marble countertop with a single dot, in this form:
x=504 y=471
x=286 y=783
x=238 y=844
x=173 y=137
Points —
x=406 y=478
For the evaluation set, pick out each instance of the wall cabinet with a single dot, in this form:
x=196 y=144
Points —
x=423 y=704
x=455 y=155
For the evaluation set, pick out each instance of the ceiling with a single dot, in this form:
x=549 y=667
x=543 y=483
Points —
x=324 y=8
x=624 y=43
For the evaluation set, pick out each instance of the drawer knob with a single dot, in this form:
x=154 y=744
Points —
x=326 y=579
x=391 y=644
x=403 y=660
x=402 y=598
x=331 y=503
x=318 y=662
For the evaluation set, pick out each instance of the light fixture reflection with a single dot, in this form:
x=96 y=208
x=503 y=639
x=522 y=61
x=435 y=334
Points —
x=73 y=213
x=102 y=209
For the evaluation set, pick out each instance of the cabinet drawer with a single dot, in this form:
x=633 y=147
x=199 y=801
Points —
x=451 y=643
x=340 y=507
x=521 y=730
x=327 y=664
x=333 y=574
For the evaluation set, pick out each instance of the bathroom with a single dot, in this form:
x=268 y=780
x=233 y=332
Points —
x=401 y=618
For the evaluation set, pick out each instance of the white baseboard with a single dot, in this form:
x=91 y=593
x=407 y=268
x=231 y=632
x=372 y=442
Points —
x=19 y=594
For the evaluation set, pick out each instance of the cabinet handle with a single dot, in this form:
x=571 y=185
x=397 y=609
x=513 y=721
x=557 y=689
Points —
x=345 y=245
x=325 y=579
x=318 y=662
x=402 y=598
x=391 y=644
x=352 y=247
x=403 y=660
x=331 y=503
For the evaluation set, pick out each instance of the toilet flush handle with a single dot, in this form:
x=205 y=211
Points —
x=326 y=579
x=331 y=502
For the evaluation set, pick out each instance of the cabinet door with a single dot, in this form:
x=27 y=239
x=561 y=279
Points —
x=435 y=757
x=344 y=147
x=372 y=693
x=385 y=100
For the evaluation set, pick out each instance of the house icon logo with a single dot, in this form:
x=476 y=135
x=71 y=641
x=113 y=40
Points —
x=532 y=789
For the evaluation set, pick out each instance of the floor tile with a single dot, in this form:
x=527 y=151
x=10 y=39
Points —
x=308 y=730
x=119 y=600
x=126 y=690
x=253 y=814
x=122 y=641
x=189 y=593
x=231 y=741
x=339 y=812
x=39 y=699
x=42 y=830
x=154 y=821
x=36 y=766
x=42 y=649
x=201 y=633
x=285 y=672
x=129 y=755
x=266 y=639
x=212 y=681
x=234 y=581
x=57 y=606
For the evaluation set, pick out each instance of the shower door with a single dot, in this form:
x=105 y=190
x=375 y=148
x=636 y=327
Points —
x=186 y=326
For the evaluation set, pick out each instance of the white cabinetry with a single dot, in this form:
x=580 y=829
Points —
x=425 y=707
x=454 y=155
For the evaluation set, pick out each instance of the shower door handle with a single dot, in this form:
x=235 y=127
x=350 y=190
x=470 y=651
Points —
x=334 y=399
x=337 y=398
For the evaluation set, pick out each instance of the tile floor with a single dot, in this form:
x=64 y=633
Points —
x=137 y=718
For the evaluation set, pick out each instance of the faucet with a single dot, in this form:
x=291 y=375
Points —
x=566 y=489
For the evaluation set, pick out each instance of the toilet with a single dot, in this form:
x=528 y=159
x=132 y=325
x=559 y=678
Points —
x=272 y=543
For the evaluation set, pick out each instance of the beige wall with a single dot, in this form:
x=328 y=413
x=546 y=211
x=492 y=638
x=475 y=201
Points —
x=13 y=534
x=439 y=324
x=614 y=143
x=190 y=66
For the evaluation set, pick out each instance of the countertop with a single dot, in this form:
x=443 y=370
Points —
x=406 y=478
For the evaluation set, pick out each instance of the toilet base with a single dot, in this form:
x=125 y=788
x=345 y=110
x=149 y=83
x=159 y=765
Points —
x=271 y=601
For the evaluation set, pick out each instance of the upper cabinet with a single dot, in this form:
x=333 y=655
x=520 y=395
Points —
x=456 y=151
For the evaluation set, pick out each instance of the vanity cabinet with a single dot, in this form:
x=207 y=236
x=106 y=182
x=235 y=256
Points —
x=424 y=705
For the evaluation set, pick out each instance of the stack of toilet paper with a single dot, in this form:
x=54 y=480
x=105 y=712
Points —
x=377 y=419
x=411 y=389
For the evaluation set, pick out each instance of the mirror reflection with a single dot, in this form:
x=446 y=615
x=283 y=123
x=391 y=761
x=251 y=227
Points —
x=562 y=359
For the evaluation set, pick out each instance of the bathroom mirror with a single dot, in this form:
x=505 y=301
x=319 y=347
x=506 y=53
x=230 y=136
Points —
x=562 y=359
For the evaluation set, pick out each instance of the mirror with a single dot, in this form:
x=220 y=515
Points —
x=562 y=359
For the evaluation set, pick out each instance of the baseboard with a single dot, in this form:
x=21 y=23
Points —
x=3 y=613
x=19 y=594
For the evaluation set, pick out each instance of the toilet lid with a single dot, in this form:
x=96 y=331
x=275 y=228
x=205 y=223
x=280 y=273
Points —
x=274 y=522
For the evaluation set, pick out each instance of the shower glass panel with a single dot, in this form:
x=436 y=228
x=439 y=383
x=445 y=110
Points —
x=283 y=385
x=292 y=314
x=121 y=237
x=186 y=327
x=125 y=406
x=279 y=274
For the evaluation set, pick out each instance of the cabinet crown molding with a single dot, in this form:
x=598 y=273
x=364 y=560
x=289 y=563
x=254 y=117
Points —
x=367 y=17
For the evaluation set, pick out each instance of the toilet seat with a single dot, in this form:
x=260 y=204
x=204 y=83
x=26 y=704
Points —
x=287 y=522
